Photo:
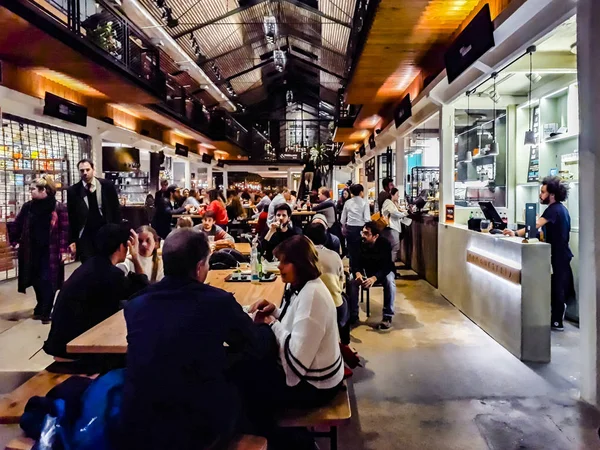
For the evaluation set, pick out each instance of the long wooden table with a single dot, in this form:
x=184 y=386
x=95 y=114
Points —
x=110 y=336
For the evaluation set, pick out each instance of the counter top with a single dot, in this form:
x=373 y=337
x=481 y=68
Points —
x=512 y=240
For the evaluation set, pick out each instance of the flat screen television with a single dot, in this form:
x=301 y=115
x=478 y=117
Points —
x=120 y=159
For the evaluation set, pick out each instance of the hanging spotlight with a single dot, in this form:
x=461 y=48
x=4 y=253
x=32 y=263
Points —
x=289 y=97
x=280 y=59
x=534 y=77
x=270 y=27
x=530 y=135
x=494 y=150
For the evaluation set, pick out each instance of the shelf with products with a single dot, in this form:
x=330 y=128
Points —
x=132 y=187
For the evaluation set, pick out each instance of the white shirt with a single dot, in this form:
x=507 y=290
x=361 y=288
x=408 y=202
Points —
x=356 y=212
x=96 y=188
x=332 y=273
x=394 y=217
x=308 y=338
x=147 y=265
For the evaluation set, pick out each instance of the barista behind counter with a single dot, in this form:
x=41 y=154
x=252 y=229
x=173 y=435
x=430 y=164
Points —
x=556 y=225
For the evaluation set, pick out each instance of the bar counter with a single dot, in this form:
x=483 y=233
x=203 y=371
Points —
x=419 y=247
x=500 y=283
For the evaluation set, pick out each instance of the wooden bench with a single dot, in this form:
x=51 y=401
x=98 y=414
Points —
x=246 y=442
x=12 y=405
x=332 y=415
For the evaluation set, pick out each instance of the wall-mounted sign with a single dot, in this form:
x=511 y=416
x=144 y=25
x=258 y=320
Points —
x=206 y=158
x=470 y=45
x=370 y=170
x=497 y=268
x=290 y=156
x=449 y=213
x=533 y=172
x=120 y=159
x=362 y=151
x=182 y=150
x=372 y=144
x=403 y=111
x=61 y=108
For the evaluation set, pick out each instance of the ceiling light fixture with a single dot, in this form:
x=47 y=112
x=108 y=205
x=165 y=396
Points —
x=270 y=27
x=529 y=134
x=280 y=59
x=534 y=77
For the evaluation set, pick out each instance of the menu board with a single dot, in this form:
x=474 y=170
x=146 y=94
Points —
x=533 y=171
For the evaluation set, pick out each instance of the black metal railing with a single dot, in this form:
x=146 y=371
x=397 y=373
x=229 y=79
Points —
x=101 y=23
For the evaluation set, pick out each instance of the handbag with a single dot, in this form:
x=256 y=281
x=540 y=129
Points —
x=380 y=220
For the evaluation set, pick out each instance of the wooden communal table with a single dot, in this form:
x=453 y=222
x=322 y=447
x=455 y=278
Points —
x=303 y=213
x=110 y=336
x=244 y=248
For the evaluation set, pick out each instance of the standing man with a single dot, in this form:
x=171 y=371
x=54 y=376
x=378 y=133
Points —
x=387 y=184
x=556 y=225
x=164 y=184
x=166 y=207
x=355 y=214
x=91 y=204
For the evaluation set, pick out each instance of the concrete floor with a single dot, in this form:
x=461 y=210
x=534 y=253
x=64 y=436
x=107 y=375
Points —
x=436 y=381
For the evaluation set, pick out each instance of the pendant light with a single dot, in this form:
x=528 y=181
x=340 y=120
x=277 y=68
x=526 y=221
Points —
x=494 y=150
x=530 y=135
x=469 y=153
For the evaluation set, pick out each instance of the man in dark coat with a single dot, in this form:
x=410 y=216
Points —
x=95 y=290
x=166 y=207
x=179 y=390
x=91 y=203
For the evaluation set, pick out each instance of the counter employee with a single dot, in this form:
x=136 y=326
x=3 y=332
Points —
x=556 y=224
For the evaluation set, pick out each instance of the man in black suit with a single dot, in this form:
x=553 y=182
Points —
x=91 y=204
x=95 y=290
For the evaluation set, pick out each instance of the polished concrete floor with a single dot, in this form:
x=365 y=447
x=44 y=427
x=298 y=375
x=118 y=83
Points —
x=436 y=381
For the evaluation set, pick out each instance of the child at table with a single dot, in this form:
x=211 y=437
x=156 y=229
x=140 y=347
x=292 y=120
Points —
x=149 y=258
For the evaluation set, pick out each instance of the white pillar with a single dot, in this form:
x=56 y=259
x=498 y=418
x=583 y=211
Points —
x=290 y=180
x=225 y=181
x=588 y=62
x=401 y=166
x=511 y=166
x=96 y=155
x=446 y=159
x=209 y=177
x=188 y=177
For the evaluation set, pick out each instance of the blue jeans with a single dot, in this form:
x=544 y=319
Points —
x=389 y=295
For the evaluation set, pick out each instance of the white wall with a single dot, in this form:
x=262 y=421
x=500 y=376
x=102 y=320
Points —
x=431 y=153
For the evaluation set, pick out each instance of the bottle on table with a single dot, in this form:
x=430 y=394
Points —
x=254 y=264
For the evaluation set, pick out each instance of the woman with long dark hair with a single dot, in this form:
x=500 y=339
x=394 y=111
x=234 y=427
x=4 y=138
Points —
x=217 y=204
x=41 y=230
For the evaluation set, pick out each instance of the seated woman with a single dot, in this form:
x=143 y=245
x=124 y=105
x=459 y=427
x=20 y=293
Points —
x=305 y=328
x=149 y=258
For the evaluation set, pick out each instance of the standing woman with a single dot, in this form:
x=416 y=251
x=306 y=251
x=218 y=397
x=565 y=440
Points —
x=42 y=231
x=217 y=204
x=390 y=211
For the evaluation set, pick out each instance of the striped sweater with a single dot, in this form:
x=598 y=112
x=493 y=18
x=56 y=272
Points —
x=308 y=339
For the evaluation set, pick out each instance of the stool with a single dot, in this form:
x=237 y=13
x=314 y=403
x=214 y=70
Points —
x=362 y=292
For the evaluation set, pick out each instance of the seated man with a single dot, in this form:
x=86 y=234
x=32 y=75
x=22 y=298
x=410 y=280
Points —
x=209 y=228
x=326 y=206
x=95 y=290
x=332 y=242
x=374 y=265
x=178 y=392
x=279 y=230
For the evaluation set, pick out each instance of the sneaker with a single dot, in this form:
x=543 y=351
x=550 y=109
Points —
x=557 y=326
x=385 y=324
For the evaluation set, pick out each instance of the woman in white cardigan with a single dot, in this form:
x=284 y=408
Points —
x=305 y=328
x=390 y=211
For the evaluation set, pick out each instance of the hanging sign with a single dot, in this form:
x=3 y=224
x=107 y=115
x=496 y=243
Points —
x=533 y=172
x=372 y=144
x=362 y=151
x=182 y=150
x=403 y=111
x=61 y=108
x=470 y=45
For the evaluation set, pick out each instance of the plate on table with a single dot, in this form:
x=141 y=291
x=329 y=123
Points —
x=247 y=278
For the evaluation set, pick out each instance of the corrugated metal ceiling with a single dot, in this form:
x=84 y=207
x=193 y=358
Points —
x=235 y=44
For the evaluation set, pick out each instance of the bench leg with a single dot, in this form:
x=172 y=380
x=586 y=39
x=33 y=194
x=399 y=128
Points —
x=368 y=303
x=362 y=295
x=334 y=438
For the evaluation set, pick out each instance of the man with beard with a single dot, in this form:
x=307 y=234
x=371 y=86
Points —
x=374 y=265
x=556 y=225
x=279 y=230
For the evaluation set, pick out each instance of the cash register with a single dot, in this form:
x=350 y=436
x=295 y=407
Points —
x=491 y=214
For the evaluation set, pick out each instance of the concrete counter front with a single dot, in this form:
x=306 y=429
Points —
x=501 y=284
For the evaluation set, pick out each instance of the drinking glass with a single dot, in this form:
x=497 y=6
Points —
x=485 y=226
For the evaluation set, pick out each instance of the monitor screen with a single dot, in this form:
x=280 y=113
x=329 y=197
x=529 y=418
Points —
x=492 y=215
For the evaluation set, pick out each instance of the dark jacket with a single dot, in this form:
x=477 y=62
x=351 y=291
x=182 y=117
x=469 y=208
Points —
x=177 y=393
x=327 y=208
x=376 y=260
x=276 y=239
x=163 y=216
x=91 y=294
x=78 y=209
x=381 y=198
x=58 y=245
